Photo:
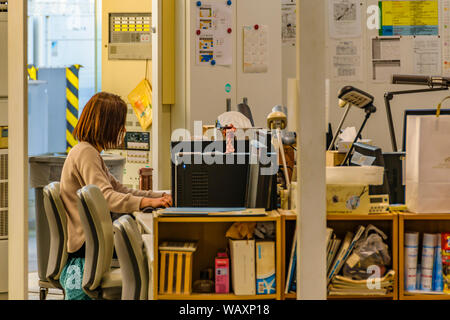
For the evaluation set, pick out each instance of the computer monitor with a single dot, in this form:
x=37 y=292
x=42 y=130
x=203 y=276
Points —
x=367 y=155
x=228 y=181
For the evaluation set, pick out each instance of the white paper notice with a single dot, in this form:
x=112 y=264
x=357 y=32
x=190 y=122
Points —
x=347 y=59
x=427 y=55
x=445 y=36
x=214 y=38
x=256 y=49
x=288 y=21
x=344 y=18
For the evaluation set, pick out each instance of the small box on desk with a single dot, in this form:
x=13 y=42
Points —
x=173 y=278
x=334 y=158
x=265 y=267
x=243 y=266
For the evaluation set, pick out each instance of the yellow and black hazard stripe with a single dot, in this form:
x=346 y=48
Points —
x=32 y=72
x=72 y=87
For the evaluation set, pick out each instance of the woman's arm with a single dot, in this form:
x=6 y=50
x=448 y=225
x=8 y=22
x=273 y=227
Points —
x=140 y=193
x=92 y=170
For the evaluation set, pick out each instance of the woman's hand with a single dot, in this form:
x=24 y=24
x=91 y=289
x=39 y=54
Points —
x=168 y=197
x=156 y=202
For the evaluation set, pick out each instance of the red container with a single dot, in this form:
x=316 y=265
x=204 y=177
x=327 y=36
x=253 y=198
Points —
x=222 y=274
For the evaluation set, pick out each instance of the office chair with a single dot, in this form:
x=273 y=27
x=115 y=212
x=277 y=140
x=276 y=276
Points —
x=100 y=281
x=133 y=262
x=57 y=222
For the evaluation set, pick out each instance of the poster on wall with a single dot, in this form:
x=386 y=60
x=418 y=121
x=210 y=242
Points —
x=409 y=18
x=214 y=34
x=347 y=59
x=427 y=55
x=288 y=21
x=344 y=18
x=256 y=49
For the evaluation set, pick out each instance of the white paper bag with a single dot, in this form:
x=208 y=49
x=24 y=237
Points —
x=428 y=164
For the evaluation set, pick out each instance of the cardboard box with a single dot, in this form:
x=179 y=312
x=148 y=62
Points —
x=334 y=158
x=243 y=266
x=265 y=267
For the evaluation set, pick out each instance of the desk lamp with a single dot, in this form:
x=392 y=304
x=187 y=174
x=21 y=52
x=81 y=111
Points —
x=362 y=100
x=433 y=84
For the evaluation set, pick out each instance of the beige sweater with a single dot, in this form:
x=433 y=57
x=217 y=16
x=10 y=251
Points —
x=85 y=166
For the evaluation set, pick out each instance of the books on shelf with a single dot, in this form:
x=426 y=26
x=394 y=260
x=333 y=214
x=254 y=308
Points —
x=292 y=274
x=344 y=252
x=425 y=274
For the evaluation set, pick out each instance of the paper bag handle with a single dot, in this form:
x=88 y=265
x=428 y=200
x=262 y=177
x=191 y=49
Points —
x=438 y=111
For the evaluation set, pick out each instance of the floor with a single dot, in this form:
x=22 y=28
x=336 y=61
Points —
x=33 y=290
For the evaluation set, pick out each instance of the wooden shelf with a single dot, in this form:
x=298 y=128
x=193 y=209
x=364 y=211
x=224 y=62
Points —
x=389 y=296
x=361 y=217
x=209 y=232
x=342 y=223
x=422 y=223
x=271 y=216
x=410 y=296
x=216 y=296
x=431 y=216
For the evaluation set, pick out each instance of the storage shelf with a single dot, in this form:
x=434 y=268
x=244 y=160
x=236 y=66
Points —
x=216 y=296
x=271 y=216
x=421 y=216
x=209 y=232
x=412 y=296
x=361 y=217
x=293 y=295
x=362 y=297
x=422 y=223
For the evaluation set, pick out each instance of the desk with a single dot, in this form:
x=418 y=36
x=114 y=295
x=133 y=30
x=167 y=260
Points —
x=210 y=234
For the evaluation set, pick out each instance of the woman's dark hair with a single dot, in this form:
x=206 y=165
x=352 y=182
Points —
x=102 y=122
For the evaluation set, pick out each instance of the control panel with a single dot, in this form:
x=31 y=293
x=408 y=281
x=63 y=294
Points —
x=130 y=36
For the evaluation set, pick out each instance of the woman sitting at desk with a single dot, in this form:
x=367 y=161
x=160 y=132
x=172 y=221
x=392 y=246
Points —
x=101 y=126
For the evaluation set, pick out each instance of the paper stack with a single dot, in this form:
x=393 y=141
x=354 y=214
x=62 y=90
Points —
x=341 y=285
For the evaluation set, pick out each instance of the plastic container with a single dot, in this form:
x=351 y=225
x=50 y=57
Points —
x=45 y=169
x=366 y=175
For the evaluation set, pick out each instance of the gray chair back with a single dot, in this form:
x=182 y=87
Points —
x=133 y=263
x=97 y=226
x=57 y=223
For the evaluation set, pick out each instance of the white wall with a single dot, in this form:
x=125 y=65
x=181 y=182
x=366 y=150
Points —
x=377 y=127
x=200 y=90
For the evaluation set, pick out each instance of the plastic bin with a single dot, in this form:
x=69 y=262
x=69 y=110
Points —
x=45 y=169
